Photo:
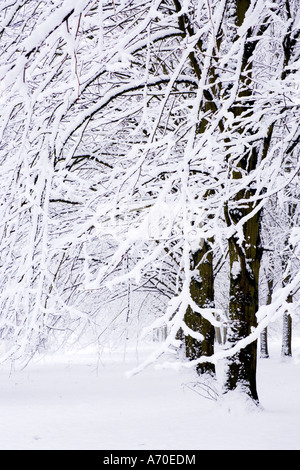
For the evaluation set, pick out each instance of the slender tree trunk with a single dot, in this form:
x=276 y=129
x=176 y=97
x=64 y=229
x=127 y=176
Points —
x=264 y=350
x=202 y=292
x=286 y=348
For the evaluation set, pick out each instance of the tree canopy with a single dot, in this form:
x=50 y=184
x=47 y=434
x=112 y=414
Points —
x=149 y=147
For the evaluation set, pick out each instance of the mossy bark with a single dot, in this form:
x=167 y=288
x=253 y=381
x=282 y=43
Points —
x=245 y=256
x=244 y=246
x=202 y=292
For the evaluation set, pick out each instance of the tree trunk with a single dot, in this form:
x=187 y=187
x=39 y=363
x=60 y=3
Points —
x=286 y=349
x=202 y=292
x=245 y=256
x=264 y=350
x=244 y=246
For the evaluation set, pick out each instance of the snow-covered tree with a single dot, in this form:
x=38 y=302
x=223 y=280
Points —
x=140 y=144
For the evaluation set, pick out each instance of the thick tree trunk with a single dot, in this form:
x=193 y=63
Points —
x=244 y=248
x=245 y=256
x=202 y=292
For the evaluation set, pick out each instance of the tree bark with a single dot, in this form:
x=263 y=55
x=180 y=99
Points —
x=244 y=256
x=264 y=350
x=202 y=292
x=286 y=349
x=245 y=250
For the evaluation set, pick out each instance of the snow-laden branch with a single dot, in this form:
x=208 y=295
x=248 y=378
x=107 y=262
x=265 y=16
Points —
x=114 y=119
x=266 y=315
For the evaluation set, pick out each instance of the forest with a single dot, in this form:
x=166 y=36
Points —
x=150 y=184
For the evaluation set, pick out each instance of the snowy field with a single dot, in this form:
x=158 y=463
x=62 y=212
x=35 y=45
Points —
x=73 y=402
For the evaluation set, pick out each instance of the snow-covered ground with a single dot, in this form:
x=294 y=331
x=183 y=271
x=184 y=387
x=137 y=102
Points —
x=72 y=401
